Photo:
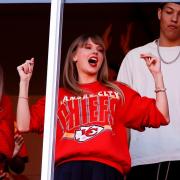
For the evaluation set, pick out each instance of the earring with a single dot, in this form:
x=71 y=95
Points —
x=75 y=59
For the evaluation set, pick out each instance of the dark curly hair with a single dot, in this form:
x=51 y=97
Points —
x=161 y=5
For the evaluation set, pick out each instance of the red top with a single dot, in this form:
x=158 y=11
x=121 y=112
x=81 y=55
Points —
x=6 y=127
x=93 y=126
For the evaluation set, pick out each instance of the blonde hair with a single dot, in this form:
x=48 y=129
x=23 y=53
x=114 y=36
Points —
x=1 y=82
x=70 y=74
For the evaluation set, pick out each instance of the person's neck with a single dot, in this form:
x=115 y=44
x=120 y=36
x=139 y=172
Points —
x=168 y=43
x=87 y=80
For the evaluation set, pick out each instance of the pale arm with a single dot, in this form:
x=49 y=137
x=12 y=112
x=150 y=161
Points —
x=154 y=66
x=23 y=113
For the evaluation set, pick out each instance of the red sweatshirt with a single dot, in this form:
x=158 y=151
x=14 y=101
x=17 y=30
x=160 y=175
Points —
x=93 y=126
x=6 y=127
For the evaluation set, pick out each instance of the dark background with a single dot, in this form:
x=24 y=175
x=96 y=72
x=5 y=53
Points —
x=24 y=33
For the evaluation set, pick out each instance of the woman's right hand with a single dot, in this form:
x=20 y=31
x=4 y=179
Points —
x=25 y=70
x=19 y=141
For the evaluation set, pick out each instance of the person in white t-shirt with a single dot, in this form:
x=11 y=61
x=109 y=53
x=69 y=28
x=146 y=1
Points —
x=155 y=153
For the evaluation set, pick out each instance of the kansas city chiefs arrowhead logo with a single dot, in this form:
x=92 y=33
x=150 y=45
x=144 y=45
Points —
x=87 y=132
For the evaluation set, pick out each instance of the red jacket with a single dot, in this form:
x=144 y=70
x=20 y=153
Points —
x=93 y=126
x=6 y=127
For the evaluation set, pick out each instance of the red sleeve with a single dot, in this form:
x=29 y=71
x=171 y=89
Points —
x=139 y=112
x=23 y=152
x=37 y=116
x=6 y=127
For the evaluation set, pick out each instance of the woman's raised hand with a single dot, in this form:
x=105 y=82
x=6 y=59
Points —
x=25 y=70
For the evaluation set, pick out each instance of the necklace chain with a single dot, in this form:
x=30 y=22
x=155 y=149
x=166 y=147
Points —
x=166 y=62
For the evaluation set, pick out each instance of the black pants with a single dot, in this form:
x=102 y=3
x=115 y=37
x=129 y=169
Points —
x=3 y=165
x=169 y=170
x=86 y=170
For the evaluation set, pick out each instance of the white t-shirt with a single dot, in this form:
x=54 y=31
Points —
x=162 y=144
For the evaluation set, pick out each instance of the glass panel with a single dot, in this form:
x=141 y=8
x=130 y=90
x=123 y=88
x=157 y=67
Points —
x=24 y=34
x=115 y=22
x=78 y=18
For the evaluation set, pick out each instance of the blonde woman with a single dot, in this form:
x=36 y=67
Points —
x=93 y=113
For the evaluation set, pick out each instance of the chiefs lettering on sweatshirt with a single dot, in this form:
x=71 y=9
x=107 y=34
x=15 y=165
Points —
x=93 y=126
